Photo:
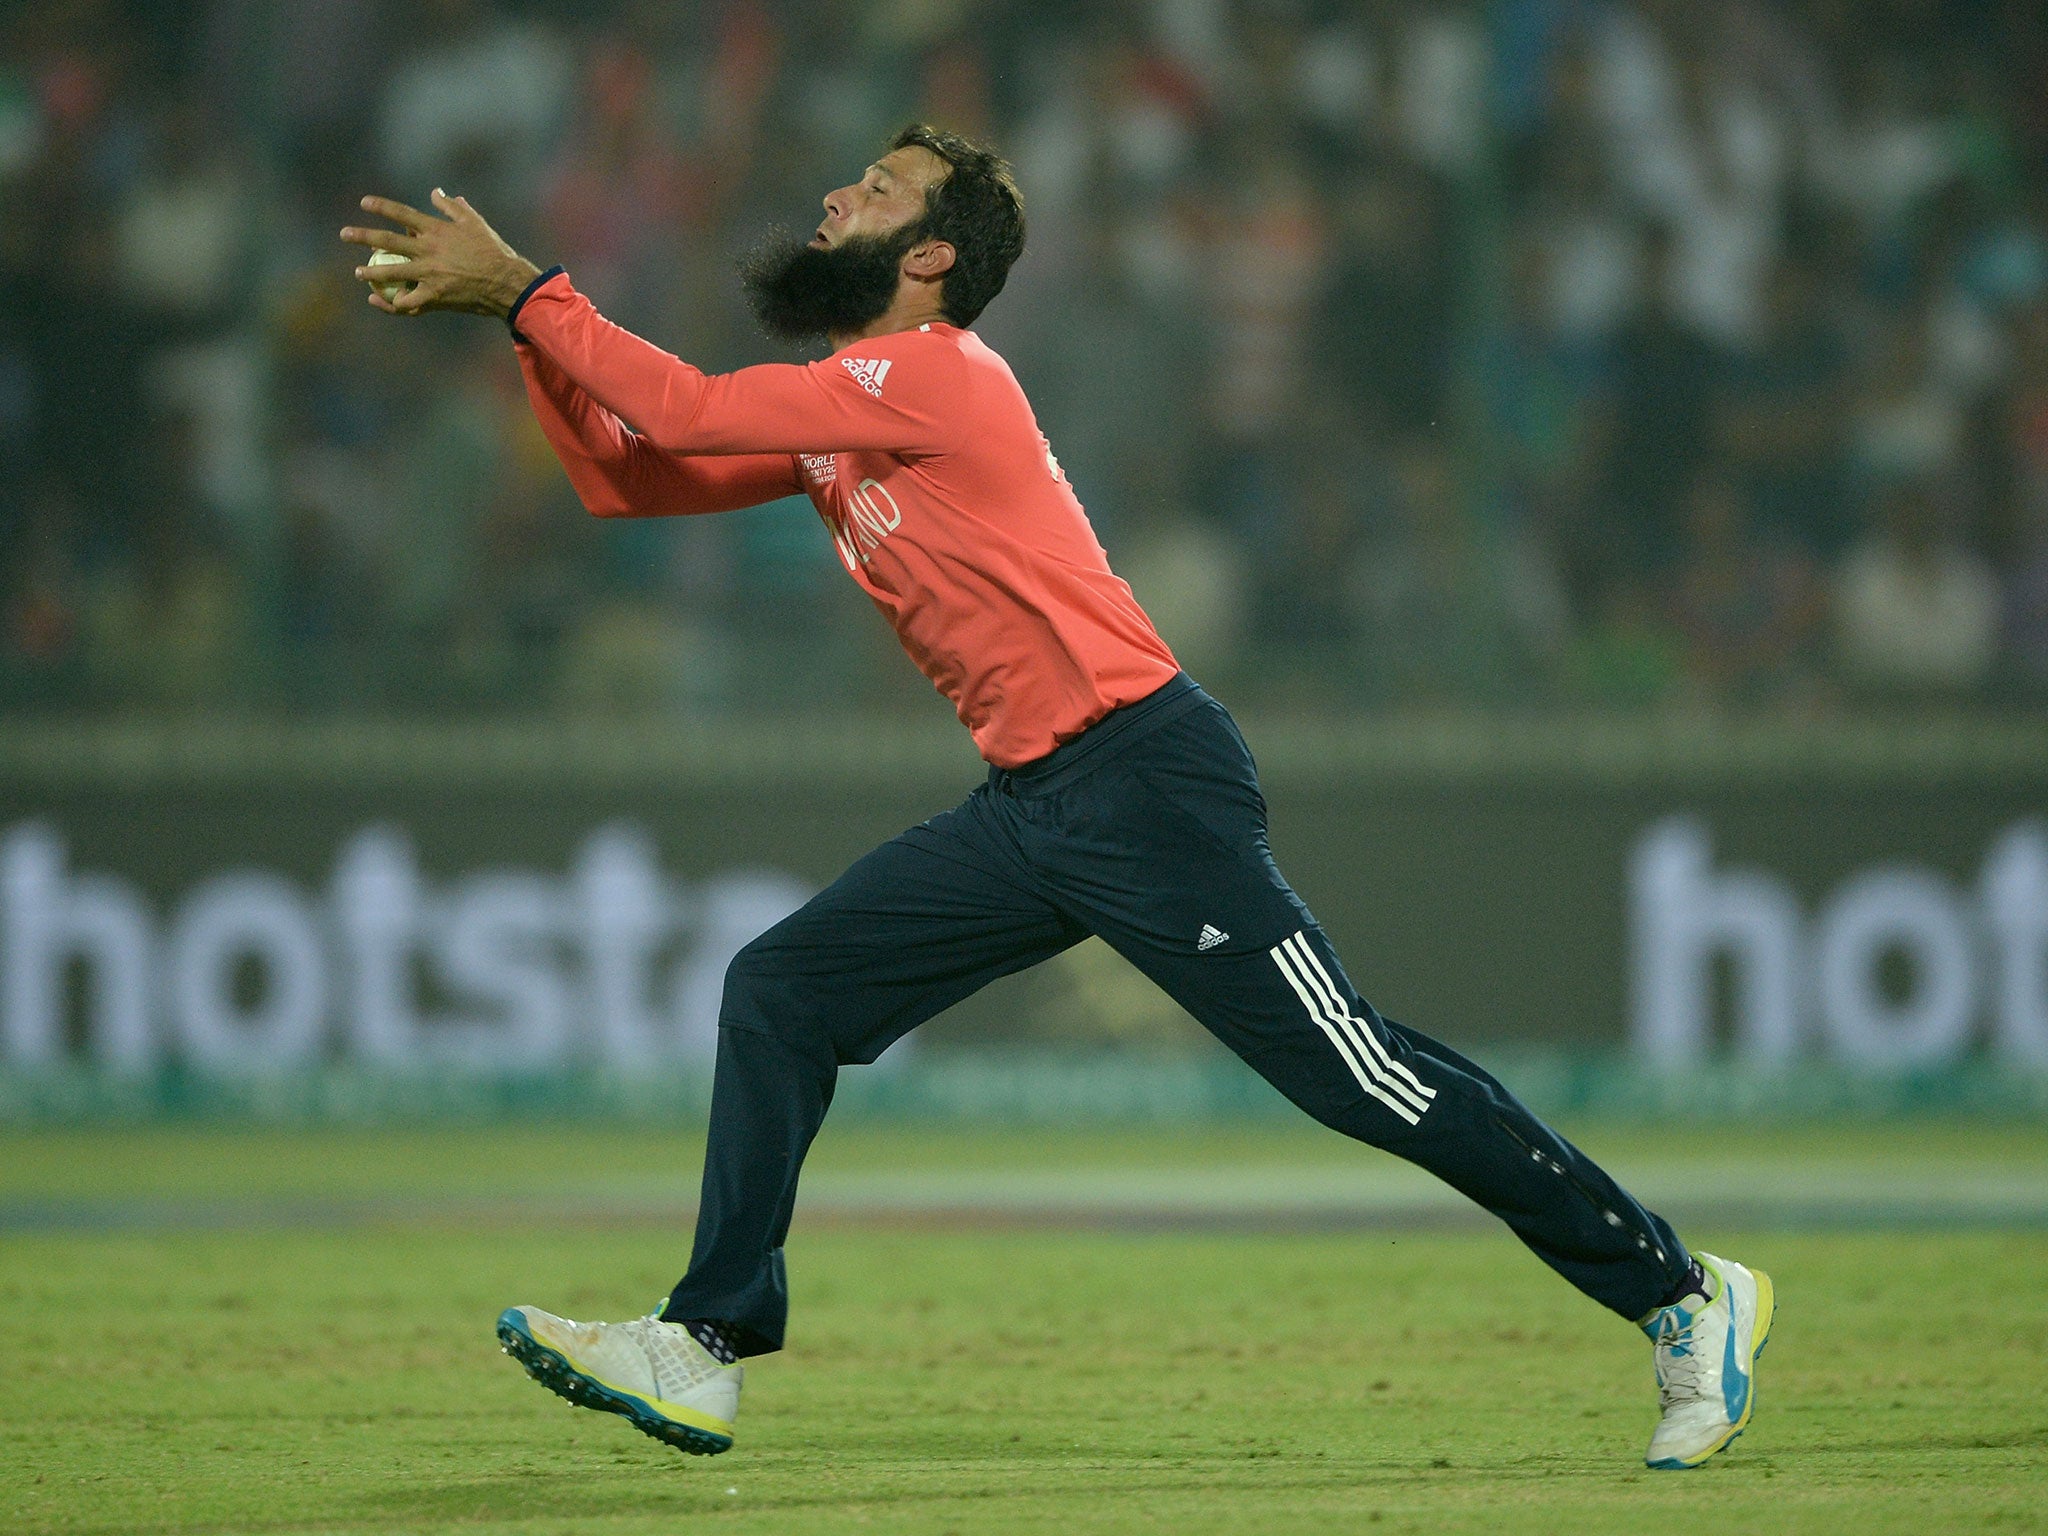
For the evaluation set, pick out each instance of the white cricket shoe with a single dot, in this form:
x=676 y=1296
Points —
x=1706 y=1349
x=655 y=1373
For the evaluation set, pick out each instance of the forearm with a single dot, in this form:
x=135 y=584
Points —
x=617 y=473
x=595 y=450
x=678 y=408
x=620 y=374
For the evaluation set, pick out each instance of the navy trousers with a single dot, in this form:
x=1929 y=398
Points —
x=1148 y=830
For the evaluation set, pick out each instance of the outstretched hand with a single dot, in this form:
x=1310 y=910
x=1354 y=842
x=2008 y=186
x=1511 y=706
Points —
x=454 y=259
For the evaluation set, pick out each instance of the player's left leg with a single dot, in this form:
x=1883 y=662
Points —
x=914 y=926
x=1176 y=874
x=919 y=923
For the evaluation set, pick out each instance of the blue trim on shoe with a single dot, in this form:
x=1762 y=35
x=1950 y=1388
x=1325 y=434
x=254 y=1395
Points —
x=1673 y=1464
x=1731 y=1366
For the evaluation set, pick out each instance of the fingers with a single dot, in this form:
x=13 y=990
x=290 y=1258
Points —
x=399 y=213
x=413 y=302
x=384 y=240
x=394 y=272
x=457 y=208
x=431 y=276
x=416 y=299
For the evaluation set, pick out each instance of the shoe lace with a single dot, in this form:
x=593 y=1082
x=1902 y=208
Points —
x=679 y=1361
x=1678 y=1366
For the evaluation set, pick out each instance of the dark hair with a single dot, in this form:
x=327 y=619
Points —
x=977 y=210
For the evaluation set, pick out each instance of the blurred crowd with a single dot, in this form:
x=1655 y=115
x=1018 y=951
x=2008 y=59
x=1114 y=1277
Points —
x=1576 y=353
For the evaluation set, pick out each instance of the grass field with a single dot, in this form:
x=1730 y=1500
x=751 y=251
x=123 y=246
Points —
x=263 y=1332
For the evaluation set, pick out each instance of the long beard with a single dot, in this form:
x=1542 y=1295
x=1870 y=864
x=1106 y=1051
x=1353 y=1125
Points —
x=801 y=291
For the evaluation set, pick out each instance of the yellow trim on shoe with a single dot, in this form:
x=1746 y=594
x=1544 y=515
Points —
x=1766 y=1313
x=695 y=1418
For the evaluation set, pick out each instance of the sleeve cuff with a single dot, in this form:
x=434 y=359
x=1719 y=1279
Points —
x=512 y=314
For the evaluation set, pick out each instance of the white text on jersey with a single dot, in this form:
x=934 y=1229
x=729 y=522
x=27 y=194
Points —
x=871 y=516
x=869 y=371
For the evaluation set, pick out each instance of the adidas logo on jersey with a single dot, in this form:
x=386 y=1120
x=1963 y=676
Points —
x=1211 y=937
x=869 y=371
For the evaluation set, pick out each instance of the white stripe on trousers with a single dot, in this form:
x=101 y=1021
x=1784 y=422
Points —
x=1377 y=1072
x=1313 y=967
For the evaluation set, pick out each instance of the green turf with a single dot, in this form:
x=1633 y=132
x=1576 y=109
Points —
x=345 y=1379
x=151 y=1161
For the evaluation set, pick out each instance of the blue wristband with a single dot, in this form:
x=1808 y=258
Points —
x=512 y=314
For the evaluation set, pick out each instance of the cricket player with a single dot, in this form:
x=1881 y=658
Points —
x=1120 y=801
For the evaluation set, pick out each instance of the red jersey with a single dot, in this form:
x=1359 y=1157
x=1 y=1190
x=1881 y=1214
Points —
x=923 y=457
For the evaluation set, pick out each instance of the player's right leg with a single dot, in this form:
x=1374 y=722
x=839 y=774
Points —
x=1706 y=1343
x=923 y=921
x=1177 y=875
